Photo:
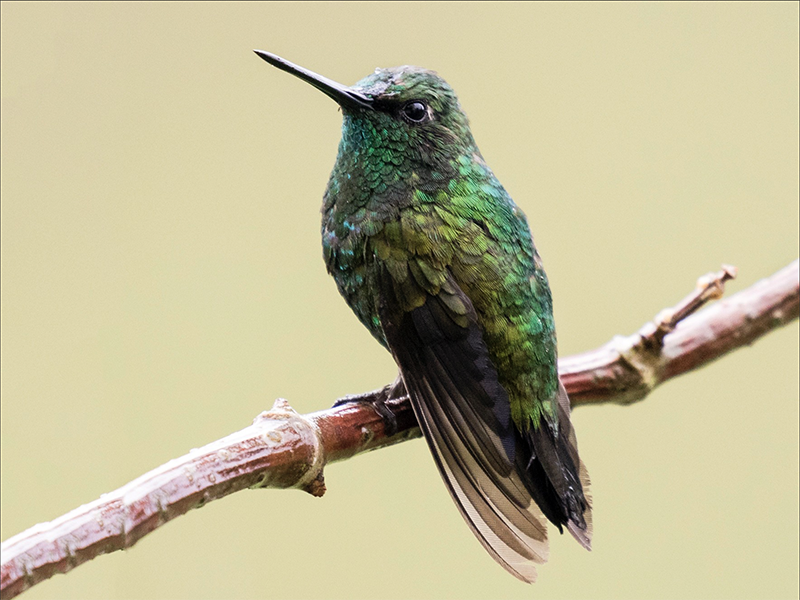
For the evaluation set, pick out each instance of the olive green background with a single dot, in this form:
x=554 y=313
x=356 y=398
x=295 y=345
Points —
x=162 y=282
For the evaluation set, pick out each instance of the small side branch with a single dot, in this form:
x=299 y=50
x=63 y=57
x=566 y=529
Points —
x=627 y=368
x=283 y=449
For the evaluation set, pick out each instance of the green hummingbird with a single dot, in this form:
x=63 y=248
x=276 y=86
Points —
x=436 y=260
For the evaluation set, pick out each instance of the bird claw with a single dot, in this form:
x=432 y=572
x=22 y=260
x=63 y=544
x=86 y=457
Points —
x=378 y=399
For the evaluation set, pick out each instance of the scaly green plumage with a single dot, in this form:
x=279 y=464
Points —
x=437 y=261
x=456 y=217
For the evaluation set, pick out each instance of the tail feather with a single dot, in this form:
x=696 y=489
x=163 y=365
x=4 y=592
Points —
x=556 y=477
x=584 y=536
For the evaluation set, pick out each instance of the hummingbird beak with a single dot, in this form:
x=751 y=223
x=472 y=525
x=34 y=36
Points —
x=345 y=96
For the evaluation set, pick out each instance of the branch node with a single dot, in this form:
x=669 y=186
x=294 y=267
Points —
x=311 y=479
x=641 y=355
x=281 y=411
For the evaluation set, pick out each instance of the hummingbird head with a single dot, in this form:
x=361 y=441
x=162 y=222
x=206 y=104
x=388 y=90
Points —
x=407 y=112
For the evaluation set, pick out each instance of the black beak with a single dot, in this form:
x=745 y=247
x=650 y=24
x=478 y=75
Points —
x=345 y=96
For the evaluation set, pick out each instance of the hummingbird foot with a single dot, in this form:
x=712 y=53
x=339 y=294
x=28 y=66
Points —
x=379 y=400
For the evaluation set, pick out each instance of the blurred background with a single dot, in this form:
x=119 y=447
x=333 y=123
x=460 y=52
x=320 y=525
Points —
x=162 y=282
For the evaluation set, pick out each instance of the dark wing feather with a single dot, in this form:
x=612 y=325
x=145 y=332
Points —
x=464 y=413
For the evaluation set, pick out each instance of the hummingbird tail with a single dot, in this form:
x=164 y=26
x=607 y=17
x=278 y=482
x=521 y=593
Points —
x=584 y=535
x=581 y=532
x=556 y=476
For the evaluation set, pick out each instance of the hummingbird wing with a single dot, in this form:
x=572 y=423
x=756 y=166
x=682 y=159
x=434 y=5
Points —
x=463 y=411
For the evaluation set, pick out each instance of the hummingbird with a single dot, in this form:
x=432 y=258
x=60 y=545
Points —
x=438 y=263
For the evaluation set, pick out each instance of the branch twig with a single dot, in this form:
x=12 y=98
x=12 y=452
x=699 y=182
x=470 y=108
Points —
x=283 y=449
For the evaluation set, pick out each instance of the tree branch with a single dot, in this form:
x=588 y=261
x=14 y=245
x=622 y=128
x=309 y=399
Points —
x=283 y=449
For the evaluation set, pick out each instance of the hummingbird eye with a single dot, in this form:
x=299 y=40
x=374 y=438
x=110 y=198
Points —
x=415 y=111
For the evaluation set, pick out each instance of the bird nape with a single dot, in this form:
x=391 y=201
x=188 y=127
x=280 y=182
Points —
x=436 y=260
